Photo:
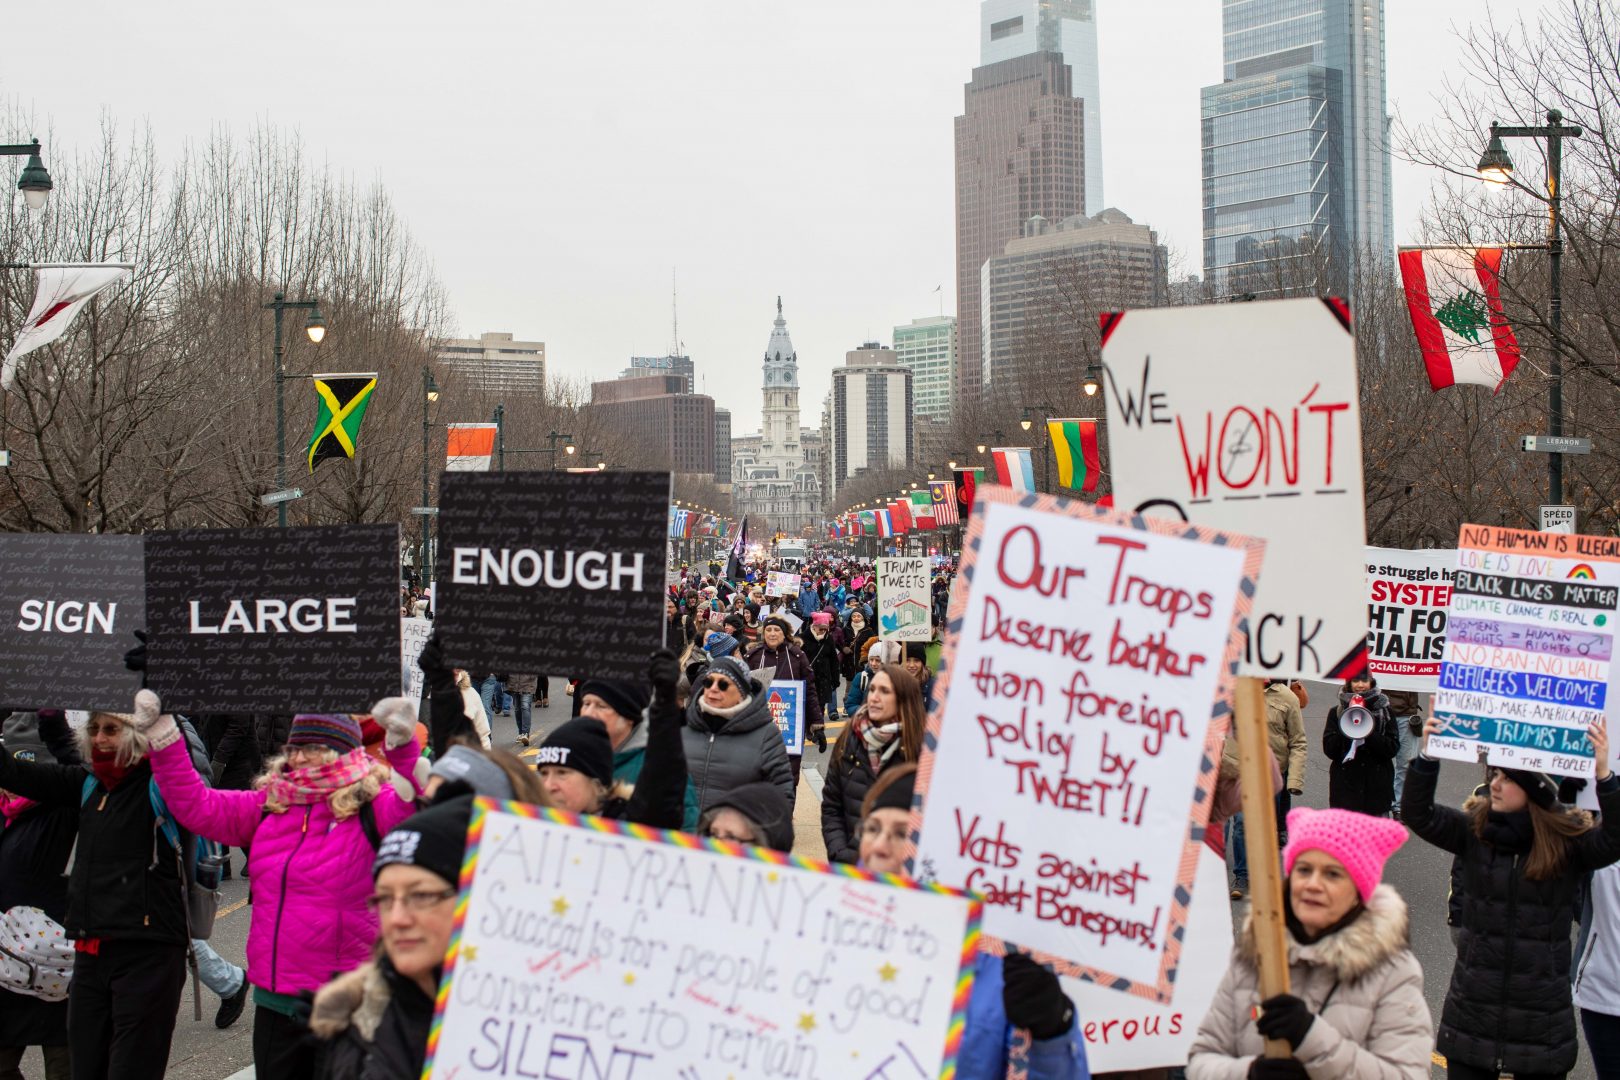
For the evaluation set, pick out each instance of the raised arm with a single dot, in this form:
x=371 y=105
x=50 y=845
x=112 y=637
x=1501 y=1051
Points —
x=659 y=799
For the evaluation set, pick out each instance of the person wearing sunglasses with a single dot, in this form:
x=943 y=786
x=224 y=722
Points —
x=730 y=738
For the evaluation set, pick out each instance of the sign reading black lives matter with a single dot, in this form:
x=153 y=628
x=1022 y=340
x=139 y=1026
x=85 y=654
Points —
x=69 y=609
x=273 y=620
x=552 y=571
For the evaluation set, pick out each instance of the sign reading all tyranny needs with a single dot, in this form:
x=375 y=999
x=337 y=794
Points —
x=69 y=609
x=273 y=620
x=552 y=571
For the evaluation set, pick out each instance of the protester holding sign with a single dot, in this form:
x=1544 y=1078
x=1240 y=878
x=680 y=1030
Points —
x=886 y=733
x=778 y=654
x=1361 y=766
x=730 y=738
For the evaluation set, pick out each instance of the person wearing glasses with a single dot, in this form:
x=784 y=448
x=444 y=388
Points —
x=313 y=822
x=730 y=738
x=752 y=814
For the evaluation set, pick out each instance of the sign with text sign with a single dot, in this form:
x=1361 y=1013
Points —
x=273 y=620
x=781 y=583
x=1559 y=519
x=1408 y=593
x=1245 y=417
x=785 y=700
x=1529 y=645
x=69 y=608
x=413 y=634
x=1089 y=661
x=904 y=609
x=613 y=950
x=552 y=572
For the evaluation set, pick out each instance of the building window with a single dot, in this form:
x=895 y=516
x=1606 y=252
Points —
x=1006 y=28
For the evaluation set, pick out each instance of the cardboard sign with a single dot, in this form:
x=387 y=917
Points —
x=1407 y=596
x=547 y=571
x=1529 y=645
x=1245 y=417
x=904 y=610
x=273 y=620
x=413 y=634
x=785 y=699
x=781 y=583
x=69 y=608
x=619 y=951
x=1089 y=660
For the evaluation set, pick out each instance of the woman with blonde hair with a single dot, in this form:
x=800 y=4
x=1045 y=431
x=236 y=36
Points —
x=312 y=823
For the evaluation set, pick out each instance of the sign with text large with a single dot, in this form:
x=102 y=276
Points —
x=1407 y=596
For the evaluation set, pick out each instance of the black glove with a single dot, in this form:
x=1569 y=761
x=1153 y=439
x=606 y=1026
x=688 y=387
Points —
x=818 y=735
x=135 y=659
x=431 y=661
x=1032 y=998
x=1285 y=1017
x=1287 y=1068
x=664 y=673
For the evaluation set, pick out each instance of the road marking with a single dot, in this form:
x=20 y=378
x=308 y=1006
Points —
x=1437 y=1058
x=230 y=908
x=813 y=778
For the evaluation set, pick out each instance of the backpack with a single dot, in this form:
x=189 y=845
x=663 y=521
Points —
x=36 y=958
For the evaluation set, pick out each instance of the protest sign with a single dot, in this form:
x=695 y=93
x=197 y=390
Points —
x=1407 y=596
x=69 y=608
x=781 y=583
x=549 y=571
x=903 y=606
x=785 y=699
x=413 y=634
x=273 y=620
x=1245 y=417
x=1088 y=664
x=616 y=950
x=1529 y=640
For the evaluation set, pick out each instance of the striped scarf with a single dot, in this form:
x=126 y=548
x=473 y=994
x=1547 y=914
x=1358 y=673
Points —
x=314 y=783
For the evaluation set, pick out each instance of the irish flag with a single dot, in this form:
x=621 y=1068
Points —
x=1074 y=444
x=1456 y=308
x=1014 y=467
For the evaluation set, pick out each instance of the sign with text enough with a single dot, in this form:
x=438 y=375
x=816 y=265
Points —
x=552 y=572
x=273 y=620
x=1245 y=417
x=69 y=608
x=413 y=634
x=785 y=700
x=1529 y=640
x=903 y=599
x=1407 y=596
x=1089 y=662
x=587 y=952
x=781 y=583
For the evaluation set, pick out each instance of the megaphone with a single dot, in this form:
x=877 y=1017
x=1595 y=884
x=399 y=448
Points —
x=1355 y=719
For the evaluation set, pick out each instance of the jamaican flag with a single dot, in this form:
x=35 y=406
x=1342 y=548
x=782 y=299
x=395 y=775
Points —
x=341 y=405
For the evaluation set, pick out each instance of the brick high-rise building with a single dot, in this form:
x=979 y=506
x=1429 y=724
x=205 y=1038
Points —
x=677 y=426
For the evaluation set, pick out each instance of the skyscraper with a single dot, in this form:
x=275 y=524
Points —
x=494 y=363
x=928 y=348
x=872 y=424
x=1295 y=146
x=772 y=479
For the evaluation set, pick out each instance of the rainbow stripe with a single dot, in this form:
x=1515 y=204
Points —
x=1583 y=572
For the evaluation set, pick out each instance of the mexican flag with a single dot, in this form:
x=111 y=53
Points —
x=1453 y=297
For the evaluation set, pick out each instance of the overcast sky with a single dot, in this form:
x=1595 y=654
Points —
x=558 y=160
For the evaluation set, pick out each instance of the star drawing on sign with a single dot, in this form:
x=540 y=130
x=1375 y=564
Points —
x=559 y=906
x=1464 y=315
x=629 y=978
x=887 y=972
x=469 y=952
x=807 y=1021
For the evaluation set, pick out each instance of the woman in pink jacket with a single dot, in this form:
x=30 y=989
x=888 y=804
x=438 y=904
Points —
x=312 y=823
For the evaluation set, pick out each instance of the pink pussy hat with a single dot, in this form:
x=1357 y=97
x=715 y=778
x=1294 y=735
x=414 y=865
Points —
x=1361 y=842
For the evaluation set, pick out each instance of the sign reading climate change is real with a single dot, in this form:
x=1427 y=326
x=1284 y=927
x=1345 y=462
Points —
x=553 y=571
x=1245 y=417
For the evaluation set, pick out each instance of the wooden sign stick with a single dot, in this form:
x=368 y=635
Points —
x=1260 y=834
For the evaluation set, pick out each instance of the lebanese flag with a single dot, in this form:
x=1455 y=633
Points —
x=63 y=288
x=1015 y=468
x=469 y=447
x=1456 y=308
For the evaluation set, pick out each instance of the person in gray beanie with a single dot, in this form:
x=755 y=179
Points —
x=730 y=737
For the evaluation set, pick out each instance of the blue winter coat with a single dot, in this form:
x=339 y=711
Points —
x=987 y=1036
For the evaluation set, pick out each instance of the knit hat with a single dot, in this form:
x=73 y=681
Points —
x=474 y=769
x=917 y=650
x=1538 y=787
x=1361 y=842
x=628 y=699
x=718 y=645
x=763 y=804
x=733 y=669
x=897 y=795
x=581 y=744
x=22 y=739
x=822 y=618
x=781 y=624
x=433 y=839
x=335 y=731
x=736 y=622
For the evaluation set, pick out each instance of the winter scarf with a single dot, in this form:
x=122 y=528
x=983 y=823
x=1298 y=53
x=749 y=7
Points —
x=105 y=765
x=1509 y=832
x=881 y=741
x=313 y=783
x=13 y=807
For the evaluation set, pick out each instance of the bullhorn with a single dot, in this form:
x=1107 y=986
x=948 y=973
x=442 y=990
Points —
x=1356 y=720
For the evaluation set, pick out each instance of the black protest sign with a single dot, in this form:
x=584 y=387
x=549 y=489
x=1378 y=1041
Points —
x=552 y=571
x=69 y=609
x=273 y=620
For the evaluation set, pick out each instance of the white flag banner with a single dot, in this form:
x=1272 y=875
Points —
x=64 y=288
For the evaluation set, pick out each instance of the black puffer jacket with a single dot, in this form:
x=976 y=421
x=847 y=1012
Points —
x=849 y=778
x=374 y=1023
x=1365 y=783
x=724 y=753
x=1509 y=1005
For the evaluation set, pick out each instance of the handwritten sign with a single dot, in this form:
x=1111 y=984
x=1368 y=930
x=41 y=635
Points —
x=1089 y=662
x=1407 y=596
x=413 y=634
x=1529 y=641
x=1245 y=417
x=903 y=606
x=591 y=952
x=785 y=700
x=781 y=583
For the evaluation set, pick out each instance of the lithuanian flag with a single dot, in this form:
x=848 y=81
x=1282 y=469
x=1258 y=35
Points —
x=342 y=401
x=1074 y=444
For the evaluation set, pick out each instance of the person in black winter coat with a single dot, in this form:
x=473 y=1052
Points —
x=730 y=739
x=1520 y=862
x=821 y=649
x=887 y=732
x=1361 y=773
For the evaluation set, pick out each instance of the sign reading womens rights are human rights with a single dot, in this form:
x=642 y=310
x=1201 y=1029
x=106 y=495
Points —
x=552 y=571
x=613 y=950
x=1089 y=662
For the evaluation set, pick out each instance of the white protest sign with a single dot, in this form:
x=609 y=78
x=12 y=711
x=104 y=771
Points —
x=1529 y=640
x=1245 y=417
x=1089 y=664
x=413 y=634
x=587 y=952
x=1407 y=596
x=903 y=607
x=781 y=583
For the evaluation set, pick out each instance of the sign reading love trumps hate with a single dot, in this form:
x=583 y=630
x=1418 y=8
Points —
x=273 y=620
x=612 y=950
x=69 y=608
x=552 y=571
x=1068 y=776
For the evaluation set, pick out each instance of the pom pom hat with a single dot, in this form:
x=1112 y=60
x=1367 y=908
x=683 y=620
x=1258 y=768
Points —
x=335 y=731
x=1361 y=842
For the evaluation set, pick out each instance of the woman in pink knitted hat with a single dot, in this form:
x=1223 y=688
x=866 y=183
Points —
x=1356 y=1008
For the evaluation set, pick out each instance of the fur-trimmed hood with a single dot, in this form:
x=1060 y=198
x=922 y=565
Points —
x=357 y=999
x=1382 y=930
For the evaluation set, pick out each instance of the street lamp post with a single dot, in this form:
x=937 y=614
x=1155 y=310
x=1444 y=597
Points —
x=315 y=328
x=430 y=394
x=34 y=182
x=1046 y=439
x=1495 y=165
x=500 y=437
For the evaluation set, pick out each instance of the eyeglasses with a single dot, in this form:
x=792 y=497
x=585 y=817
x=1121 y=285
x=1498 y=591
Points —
x=302 y=751
x=719 y=682
x=729 y=838
x=413 y=901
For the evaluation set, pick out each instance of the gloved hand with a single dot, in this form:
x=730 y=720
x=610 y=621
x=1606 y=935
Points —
x=431 y=661
x=135 y=659
x=1288 y=1068
x=398 y=719
x=664 y=674
x=1032 y=998
x=150 y=720
x=818 y=735
x=1285 y=1017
